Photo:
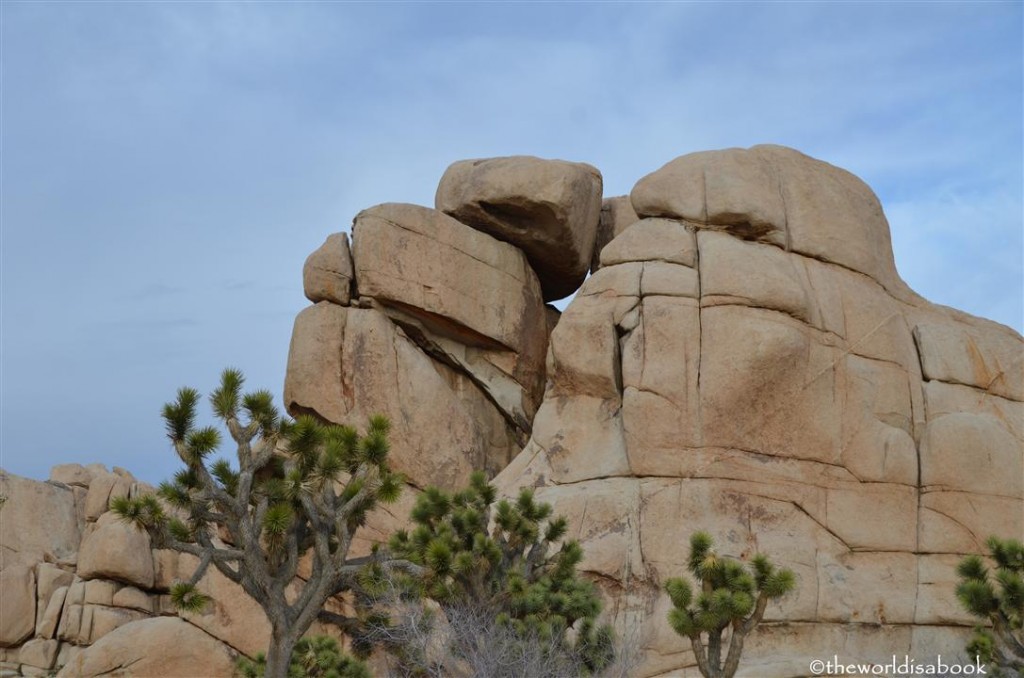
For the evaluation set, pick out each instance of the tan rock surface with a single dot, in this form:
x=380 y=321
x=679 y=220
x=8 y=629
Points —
x=47 y=620
x=71 y=474
x=744 y=361
x=653 y=240
x=18 y=611
x=103 y=488
x=616 y=216
x=38 y=653
x=39 y=522
x=463 y=281
x=232 y=616
x=549 y=209
x=116 y=551
x=796 y=399
x=103 y=620
x=49 y=578
x=164 y=646
x=777 y=195
x=346 y=364
x=468 y=300
x=327 y=273
x=133 y=599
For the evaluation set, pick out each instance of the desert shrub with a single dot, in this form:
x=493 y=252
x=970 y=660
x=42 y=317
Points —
x=508 y=594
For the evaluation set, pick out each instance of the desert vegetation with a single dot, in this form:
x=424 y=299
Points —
x=505 y=584
x=996 y=598
x=297 y=487
x=730 y=603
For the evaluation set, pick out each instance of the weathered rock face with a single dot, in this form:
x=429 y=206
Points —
x=746 y=361
x=40 y=522
x=549 y=209
x=616 y=216
x=164 y=646
x=446 y=336
x=78 y=588
x=777 y=195
x=327 y=274
x=118 y=551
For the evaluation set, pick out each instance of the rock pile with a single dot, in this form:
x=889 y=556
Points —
x=744 y=359
x=74 y=579
x=436 y=317
x=82 y=594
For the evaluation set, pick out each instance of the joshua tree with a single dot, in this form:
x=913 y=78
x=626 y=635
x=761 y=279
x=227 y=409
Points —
x=509 y=597
x=998 y=600
x=298 y=488
x=730 y=603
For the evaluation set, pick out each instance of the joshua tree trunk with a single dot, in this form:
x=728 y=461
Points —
x=279 y=654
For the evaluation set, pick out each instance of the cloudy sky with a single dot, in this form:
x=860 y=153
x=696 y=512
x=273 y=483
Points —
x=167 y=167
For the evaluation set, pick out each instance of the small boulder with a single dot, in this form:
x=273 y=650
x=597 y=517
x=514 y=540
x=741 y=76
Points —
x=117 y=551
x=102 y=489
x=133 y=599
x=327 y=274
x=163 y=646
x=39 y=653
x=18 y=611
x=547 y=208
x=46 y=626
x=653 y=240
x=39 y=522
x=71 y=474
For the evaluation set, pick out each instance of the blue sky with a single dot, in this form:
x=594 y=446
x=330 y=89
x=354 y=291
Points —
x=167 y=167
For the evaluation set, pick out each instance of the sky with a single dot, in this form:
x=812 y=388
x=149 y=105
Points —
x=166 y=167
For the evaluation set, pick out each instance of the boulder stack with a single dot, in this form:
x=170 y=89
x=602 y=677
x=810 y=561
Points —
x=550 y=209
x=743 y=360
x=437 y=317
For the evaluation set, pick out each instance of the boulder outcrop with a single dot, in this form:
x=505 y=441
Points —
x=746 y=361
x=446 y=335
x=82 y=594
x=743 y=360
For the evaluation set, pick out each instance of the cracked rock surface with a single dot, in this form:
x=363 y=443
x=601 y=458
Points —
x=747 y=361
x=743 y=359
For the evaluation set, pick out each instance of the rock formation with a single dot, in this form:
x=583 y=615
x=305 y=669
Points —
x=743 y=359
x=747 y=361
x=85 y=595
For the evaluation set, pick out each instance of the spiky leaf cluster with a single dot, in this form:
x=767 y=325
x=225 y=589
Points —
x=504 y=557
x=729 y=596
x=997 y=598
x=313 y=657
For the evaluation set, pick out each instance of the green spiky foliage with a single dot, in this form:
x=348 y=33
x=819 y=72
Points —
x=294 y=489
x=505 y=560
x=313 y=657
x=997 y=598
x=730 y=602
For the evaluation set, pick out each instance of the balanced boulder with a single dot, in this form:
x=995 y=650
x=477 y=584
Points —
x=549 y=209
